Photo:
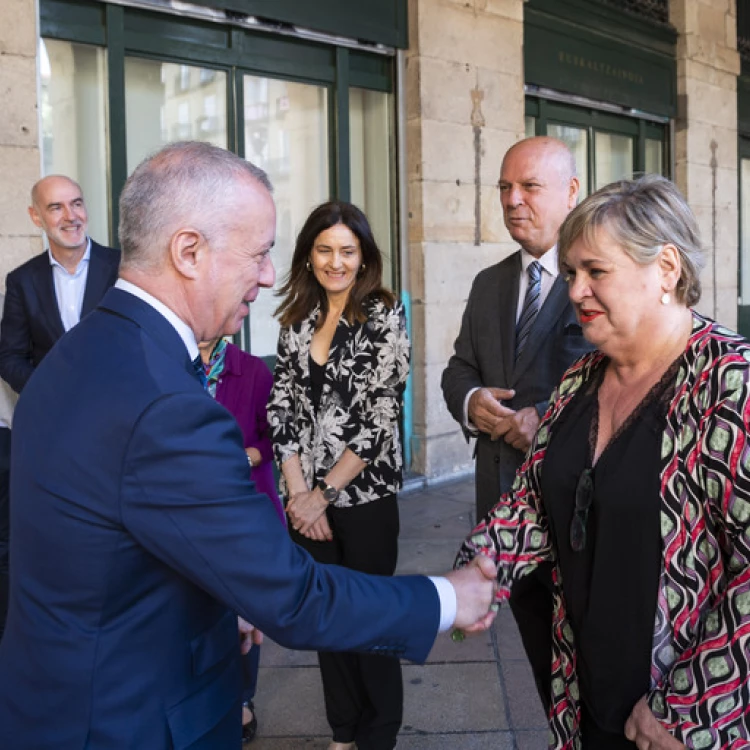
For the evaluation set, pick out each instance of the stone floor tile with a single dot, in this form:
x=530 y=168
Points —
x=457 y=741
x=426 y=557
x=509 y=644
x=273 y=655
x=536 y=740
x=290 y=703
x=477 y=648
x=525 y=707
x=442 y=698
x=432 y=518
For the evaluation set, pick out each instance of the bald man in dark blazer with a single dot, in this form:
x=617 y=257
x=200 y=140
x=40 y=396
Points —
x=497 y=390
x=49 y=294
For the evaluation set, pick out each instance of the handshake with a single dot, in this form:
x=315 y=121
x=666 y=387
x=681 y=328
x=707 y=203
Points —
x=475 y=586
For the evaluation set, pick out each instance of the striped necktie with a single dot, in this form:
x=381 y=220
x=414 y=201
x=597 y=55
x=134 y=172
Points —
x=530 y=306
x=200 y=372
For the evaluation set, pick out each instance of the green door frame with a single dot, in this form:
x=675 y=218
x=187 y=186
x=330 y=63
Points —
x=594 y=120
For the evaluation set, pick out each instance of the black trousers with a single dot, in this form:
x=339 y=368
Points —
x=363 y=692
x=531 y=604
x=4 y=523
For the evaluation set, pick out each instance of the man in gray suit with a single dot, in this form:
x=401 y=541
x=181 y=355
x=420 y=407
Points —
x=518 y=336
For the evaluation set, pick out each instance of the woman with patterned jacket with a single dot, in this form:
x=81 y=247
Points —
x=342 y=362
x=637 y=488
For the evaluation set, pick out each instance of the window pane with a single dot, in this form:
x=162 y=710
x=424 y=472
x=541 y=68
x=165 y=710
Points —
x=613 y=158
x=167 y=102
x=577 y=140
x=371 y=140
x=75 y=141
x=286 y=133
x=654 y=156
x=530 y=123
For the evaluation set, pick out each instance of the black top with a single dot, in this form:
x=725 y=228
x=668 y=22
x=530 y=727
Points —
x=317 y=378
x=610 y=586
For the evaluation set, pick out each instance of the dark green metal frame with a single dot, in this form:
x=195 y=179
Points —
x=125 y=31
x=552 y=112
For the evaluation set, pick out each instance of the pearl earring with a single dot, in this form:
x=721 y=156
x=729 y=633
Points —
x=308 y=266
x=665 y=298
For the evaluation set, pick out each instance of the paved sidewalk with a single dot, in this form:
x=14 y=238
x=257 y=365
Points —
x=475 y=695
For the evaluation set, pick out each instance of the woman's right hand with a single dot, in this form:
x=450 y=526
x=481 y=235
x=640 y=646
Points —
x=305 y=508
x=320 y=531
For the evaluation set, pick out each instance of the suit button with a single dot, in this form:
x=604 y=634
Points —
x=497 y=459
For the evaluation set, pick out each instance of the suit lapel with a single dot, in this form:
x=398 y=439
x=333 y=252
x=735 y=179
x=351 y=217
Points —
x=129 y=306
x=508 y=282
x=551 y=311
x=97 y=280
x=45 y=290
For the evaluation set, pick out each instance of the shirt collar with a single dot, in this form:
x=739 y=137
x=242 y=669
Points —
x=182 y=328
x=548 y=261
x=85 y=259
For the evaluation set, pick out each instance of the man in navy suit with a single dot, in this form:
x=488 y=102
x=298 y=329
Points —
x=49 y=294
x=136 y=535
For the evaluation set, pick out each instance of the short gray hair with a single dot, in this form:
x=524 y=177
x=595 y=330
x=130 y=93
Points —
x=185 y=183
x=641 y=215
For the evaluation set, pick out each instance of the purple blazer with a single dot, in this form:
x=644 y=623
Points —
x=243 y=389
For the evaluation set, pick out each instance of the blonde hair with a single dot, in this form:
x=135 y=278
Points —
x=641 y=215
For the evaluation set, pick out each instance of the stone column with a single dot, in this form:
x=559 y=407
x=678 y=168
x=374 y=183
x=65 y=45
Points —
x=706 y=140
x=465 y=108
x=19 y=133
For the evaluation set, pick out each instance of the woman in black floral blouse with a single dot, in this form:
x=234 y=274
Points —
x=343 y=360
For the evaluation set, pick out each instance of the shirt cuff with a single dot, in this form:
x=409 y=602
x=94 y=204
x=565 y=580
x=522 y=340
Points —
x=448 y=602
x=467 y=423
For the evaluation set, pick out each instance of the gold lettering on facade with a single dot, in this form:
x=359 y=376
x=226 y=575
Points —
x=602 y=68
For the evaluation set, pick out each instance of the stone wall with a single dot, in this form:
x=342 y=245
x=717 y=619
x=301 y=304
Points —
x=706 y=140
x=465 y=108
x=19 y=132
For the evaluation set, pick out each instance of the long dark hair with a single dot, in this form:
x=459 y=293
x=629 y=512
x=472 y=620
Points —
x=301 y=290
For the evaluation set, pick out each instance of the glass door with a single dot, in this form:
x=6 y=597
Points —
x=606 y=146
x=285 y=132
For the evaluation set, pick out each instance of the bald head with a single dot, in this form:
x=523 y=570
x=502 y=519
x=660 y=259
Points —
x=538 y=188
x=57 y=207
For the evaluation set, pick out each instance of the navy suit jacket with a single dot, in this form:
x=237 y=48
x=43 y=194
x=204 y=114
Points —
x=136 y=536
x=31 y=321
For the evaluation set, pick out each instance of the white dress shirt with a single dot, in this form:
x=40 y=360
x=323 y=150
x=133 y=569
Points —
x=445 y=590
x=70 y=287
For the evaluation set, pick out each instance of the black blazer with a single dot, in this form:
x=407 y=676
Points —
x=485 y=357
x=31 y=323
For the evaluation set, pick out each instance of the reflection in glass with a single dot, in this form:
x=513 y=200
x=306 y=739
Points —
x=654 y=156
x=613 y=159
x=167 y=102
x=371 y=144
x=745 y=234
x=529 y=126
x=286 y=134
x=74 y=124
x=577 y=140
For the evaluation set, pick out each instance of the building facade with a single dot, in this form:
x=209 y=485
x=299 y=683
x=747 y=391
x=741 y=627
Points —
x=404 y=107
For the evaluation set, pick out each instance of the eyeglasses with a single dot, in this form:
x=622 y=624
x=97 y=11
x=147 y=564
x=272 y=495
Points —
x=584 y=498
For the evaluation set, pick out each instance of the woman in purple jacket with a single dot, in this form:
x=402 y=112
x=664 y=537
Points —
x=242 y=383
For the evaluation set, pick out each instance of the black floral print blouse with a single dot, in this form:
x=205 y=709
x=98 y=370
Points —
x=365 y=376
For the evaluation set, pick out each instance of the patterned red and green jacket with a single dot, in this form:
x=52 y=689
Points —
x=700 y=667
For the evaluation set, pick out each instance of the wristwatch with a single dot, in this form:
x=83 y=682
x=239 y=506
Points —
x=330 y=493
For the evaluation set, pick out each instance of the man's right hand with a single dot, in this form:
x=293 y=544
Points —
x=486 y=410
x=475 y=587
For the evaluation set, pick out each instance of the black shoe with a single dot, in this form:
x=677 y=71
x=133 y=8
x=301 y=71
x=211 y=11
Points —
x=249 y=729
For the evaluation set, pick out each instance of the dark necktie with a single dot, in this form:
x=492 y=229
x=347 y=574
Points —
x=530 y=306
x=200 y=372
